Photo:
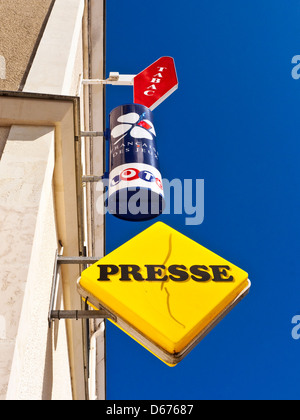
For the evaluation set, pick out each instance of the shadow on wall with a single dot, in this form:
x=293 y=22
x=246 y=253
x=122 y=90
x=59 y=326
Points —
x=17 y=133
x=3 y=131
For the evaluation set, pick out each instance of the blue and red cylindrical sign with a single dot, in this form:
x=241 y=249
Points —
x=135 y=182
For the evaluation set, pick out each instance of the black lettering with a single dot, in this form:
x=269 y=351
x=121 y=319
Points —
x=199 y=274
x=179 y=272
x=106 y=270
x=133 y=270
x=155 y=270
x=221 y=275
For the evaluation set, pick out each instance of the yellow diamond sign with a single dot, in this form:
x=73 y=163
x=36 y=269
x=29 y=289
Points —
x=164 y=290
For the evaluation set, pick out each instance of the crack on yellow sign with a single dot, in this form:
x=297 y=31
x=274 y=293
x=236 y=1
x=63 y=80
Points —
x=169 y=309
x=167 y=258
x=164 y=285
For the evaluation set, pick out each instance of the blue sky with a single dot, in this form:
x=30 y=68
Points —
x=235 y=123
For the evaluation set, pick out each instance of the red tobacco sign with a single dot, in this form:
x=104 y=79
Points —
x=158 y=81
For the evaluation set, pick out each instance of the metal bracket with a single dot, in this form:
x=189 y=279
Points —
x=105 y=134
x=92 y=178
x=101 y=313
x=114 y=79
x=77 y=260
x=92 y=134
x=73 y=314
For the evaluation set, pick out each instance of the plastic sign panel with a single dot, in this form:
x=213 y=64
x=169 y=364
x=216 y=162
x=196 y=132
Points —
x=153 y=85
x=165 y=290
x=135 y=182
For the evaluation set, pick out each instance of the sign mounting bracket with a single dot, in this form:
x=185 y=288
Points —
x=100 y=313
x=114 y=79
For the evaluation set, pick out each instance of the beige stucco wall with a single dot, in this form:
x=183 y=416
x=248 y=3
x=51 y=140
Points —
x=34 y=361
x=28 y=235
x=38 y=193
x=21 y=26
x=21 y=23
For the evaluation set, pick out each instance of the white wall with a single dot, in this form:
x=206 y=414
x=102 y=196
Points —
x=35 y=362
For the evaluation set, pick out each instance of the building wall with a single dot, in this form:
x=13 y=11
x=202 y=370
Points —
x=22 y=24
x=38 y=206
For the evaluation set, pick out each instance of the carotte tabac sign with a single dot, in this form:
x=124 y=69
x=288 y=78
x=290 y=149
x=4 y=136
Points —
x=165 y=290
